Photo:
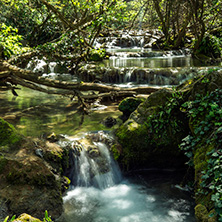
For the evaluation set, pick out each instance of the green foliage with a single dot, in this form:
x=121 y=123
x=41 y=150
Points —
x=47 y=218
x=10 y=41
x=164 y=123
x=205 y=114
x=12 y=219
x=211 y=46
x=97 y=54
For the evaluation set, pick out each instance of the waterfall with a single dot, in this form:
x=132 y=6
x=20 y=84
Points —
x=127 y=77
x=93 y=166
x=99 y=193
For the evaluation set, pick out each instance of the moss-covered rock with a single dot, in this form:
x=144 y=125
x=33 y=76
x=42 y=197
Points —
x=153 y=132
x=29 y=182
x=150 y=105
x=9 y=136
x=128 y=105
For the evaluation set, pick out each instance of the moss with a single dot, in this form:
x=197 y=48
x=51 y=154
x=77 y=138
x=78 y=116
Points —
x=128 y=105
x=201 y=159
x=134 y=138
x=115 y=152
x=8 y=135
x=201 y=213
x=3 y=163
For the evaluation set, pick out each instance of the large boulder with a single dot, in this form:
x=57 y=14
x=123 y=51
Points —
x=128 y=105
x=31 y=176
x=143 y=145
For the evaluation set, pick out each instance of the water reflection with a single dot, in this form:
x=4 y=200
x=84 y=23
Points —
x=34 y=113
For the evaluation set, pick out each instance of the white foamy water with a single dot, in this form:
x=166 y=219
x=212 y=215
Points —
x=104 y=197
x=125 y=202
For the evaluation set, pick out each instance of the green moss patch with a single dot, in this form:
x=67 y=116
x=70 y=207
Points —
x=8 y=134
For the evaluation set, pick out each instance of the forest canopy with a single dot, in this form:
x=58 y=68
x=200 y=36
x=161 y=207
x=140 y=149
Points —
x=72 y=26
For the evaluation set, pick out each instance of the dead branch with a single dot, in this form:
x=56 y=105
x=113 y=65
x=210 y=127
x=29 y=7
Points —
x=80 y=86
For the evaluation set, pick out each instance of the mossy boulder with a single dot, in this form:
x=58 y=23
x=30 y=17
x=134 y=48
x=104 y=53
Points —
x=29 y=182
x=142 y=147
x=150 y=105
x=9 y=136
x=128 y=105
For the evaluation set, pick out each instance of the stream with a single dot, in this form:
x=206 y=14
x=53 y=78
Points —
x=143 y=196
x=148 y=195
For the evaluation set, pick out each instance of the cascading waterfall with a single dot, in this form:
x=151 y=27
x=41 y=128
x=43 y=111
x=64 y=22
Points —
x=100 y=194
x=98 y=170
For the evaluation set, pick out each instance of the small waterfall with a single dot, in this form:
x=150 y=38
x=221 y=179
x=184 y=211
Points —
x=93 y=165
x=37 y=65
x=99 y=194
x=52 y=66
x=127 y=77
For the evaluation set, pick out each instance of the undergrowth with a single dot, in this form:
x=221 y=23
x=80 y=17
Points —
x=205 y=114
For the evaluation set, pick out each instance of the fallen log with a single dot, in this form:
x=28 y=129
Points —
x=73 y=86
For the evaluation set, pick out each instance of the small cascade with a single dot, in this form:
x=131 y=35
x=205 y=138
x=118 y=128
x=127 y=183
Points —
x=51 y=70
x=99 y=193
x=37 y=65
x=93 y=164
x=123 y=76
x=127 y=76
x=52 y=67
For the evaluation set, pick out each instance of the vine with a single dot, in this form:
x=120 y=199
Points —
x=165 y=121
x=205 y=114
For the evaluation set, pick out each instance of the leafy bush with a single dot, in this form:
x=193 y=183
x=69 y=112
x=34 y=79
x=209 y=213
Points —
x=211 y=46
x=97 y=54
x=10 y=41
